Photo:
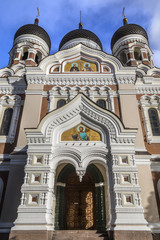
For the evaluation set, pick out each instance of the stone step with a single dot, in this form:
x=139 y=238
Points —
x=79 y=235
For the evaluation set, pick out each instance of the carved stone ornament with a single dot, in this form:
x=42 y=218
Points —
x=80 y=174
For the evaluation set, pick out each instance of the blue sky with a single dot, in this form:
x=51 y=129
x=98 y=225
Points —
x=57 y=17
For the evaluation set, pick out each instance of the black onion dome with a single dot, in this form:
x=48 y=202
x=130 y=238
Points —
x=80 y=33
x=128 y=29
x=35 y=30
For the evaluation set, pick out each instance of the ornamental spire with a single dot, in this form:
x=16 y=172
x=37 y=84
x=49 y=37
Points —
x=80 y=23
x=124 y=18
x=36 y=21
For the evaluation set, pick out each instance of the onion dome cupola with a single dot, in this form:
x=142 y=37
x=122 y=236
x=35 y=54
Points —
x=130 y=45
x=80 y=35
x=31 y=44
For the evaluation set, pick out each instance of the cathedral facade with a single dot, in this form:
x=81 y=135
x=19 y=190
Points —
x=80 y=137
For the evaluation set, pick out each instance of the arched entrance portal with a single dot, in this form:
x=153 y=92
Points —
x=80 y=205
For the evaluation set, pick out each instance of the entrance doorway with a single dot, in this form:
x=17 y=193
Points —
x=80 y=205
x=80 y=202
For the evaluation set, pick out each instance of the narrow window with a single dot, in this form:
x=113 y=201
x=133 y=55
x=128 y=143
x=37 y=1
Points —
x=154 y=121
x=25 y=55
x=149 y=57
x=123 y=57
x=38 y=57
x=61 y=103
x=137 y=54
x=101 y=103
x=7 y=117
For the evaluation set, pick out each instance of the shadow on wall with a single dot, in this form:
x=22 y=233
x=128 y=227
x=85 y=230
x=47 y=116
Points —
x=151 y=215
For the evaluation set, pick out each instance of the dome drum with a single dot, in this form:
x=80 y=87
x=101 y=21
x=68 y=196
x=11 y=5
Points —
x=130 y=45
x=86 y=42
x=80 y=35
x=32 y=43
x=36 y=30
x=128 y=29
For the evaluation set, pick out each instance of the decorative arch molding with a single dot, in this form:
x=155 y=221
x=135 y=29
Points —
x=6 y=72
x=79 y=158
x=85 y=52
x=154 y=71
x=80 y=109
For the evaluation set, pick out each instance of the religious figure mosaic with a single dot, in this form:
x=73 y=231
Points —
x=80 y=66
x=80 y=133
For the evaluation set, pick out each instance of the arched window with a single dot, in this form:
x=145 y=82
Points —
x=7 y=117
x=137 y=54
x=61 y=103
x=154 y=121
x=123 y=57
x=101 y=103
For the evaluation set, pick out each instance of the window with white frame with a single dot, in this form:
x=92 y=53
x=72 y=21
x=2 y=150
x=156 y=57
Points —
x=9 y=113
x=154 y=121
x=150 y=106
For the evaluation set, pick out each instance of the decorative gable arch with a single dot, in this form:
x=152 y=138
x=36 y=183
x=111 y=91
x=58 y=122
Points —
x=81 y=109
x=77 y=52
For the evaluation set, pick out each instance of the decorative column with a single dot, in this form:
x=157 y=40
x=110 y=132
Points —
x=36 y=209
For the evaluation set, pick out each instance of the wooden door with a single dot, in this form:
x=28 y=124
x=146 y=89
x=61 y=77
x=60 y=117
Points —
x=80 y=206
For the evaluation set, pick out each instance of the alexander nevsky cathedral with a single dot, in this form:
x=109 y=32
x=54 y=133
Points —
x=80 y=137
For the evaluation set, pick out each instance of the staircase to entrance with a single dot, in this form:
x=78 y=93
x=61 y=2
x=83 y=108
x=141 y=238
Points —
x=79 y=235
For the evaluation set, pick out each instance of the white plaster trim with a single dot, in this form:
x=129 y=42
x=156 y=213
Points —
x=32 y=38
x=140 y=160
x=127 y=92
x=127 y=39
x=152 y=89
x=76 y=41
x=155 y=227
x=154 y=156
x=73 y=79
x=34 y=92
